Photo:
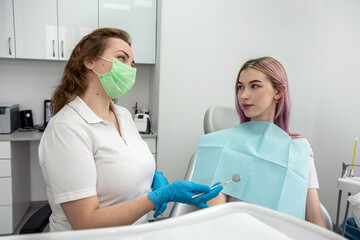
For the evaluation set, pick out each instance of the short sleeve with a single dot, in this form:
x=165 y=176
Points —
x=68 y=163
x=313 y=179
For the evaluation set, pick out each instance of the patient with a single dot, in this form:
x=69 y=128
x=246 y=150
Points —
x=262 y=94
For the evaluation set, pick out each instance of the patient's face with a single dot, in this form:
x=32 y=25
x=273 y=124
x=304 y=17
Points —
x=256 y=95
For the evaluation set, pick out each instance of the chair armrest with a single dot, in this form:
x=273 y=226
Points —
x=38 y=221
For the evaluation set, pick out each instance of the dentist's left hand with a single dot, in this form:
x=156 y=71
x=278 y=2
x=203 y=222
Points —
x=182 y=191
x=159 y=181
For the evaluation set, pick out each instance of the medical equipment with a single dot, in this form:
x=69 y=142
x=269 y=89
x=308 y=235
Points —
x=236 y=220
x=26 y=119
x=352 y=167
x=9 y=118
x=345 y=169
x=235 y=178
x=142 y=122
x=351 y=185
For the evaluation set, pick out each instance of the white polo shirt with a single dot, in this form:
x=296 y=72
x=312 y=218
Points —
x=82 y=155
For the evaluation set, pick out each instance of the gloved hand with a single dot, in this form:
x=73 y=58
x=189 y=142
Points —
x=159 y=181
x=182 y=191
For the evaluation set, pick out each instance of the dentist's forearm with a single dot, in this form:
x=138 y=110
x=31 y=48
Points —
x=86 y=213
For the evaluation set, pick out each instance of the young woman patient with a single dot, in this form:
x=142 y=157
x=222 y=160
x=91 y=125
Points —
x=262 y=94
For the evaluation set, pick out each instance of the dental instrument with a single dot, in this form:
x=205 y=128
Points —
x=235 y=178
x=352 y=167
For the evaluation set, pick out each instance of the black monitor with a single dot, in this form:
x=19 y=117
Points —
x=47 y=112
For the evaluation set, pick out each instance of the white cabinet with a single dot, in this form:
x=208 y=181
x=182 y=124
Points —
x=7 y=40
x=50 y=29
x=5 y=189
x=5 y=150
x=151 y=142
x=14 y=184
x=138 y=18
x=5 y=220
x=36 y=29
x=76 y=19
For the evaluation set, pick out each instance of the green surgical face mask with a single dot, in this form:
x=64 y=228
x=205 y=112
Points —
x=119 y=80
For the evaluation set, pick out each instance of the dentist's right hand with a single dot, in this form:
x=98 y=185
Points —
x=159 y=181
x=182 y=191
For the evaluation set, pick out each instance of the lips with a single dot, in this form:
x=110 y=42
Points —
x=246 y=106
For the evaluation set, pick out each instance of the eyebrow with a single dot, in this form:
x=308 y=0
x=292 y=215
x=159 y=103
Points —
x=252 y=81
x=127 y=55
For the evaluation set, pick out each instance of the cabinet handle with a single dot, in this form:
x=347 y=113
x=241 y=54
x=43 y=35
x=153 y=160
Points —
x=10 y=46
x=62 y=48
x=53 y=43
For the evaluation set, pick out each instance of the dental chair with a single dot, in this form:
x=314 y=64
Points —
x=215 y=119
x=38 y=221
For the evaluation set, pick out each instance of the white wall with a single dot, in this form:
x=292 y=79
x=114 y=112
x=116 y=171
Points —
x=154 y=76
x=337 y=115
x=205 y=42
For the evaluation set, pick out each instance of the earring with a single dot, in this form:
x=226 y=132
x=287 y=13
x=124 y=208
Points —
x=277 y=101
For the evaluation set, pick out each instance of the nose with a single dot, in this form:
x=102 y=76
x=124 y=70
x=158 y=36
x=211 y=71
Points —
x=243 y=95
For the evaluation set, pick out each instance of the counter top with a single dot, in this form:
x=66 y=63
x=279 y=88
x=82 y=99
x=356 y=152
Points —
x=21 y=136
x=36 y=136
x=150 y=135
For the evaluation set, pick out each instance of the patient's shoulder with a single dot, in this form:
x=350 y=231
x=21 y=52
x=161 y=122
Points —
x=296 y=136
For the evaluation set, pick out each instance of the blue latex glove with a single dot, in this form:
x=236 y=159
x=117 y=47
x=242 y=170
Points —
x=159 y=181
x=182 y=191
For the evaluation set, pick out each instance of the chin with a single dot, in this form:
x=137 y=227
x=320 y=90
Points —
x=248 y=115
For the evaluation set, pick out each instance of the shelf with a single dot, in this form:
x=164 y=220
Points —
x=36 y=136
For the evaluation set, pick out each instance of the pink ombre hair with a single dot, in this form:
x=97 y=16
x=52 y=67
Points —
x=277 y=76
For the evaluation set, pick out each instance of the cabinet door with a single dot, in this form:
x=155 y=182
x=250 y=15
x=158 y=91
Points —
x=7 y=48
x=5 y=149
x=76 y=19
x=36 y=29
x=6 y=191
x=151 y=142
x=5 y=168
x=138 y=18
x=6 y=220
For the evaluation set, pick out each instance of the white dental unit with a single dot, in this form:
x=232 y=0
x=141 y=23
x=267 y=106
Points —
x=227 y=221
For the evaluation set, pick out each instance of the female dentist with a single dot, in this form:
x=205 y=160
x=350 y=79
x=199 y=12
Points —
x=98 y=170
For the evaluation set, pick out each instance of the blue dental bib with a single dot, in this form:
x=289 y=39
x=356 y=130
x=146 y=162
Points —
x=274 y=169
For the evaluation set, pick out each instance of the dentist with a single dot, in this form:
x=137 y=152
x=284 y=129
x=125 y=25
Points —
x=98 y=170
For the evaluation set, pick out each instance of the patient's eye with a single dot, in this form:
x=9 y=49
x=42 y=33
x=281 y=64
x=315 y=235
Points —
x=240 y=86
x=255 y=86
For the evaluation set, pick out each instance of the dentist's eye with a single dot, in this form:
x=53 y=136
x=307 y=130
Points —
x=121 y=58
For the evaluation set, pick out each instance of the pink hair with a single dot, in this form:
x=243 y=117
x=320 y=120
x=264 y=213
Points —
x=277 y=75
